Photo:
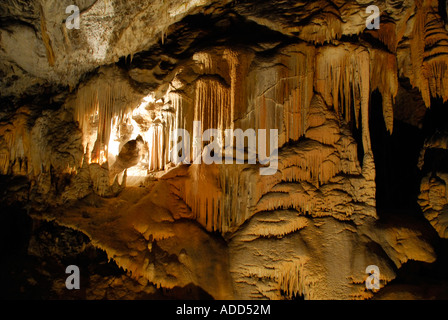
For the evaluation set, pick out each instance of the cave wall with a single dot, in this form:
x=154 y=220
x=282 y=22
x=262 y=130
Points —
x=88 y=116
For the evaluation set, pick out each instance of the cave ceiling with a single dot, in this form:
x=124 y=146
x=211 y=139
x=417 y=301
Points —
x=350 y=118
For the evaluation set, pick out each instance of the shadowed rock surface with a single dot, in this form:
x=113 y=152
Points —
x=87 y=136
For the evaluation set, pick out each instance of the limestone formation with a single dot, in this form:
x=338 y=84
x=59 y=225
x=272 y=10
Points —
x=90 y=120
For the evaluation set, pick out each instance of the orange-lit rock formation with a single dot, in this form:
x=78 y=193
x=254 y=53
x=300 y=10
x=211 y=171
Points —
x=88 y=118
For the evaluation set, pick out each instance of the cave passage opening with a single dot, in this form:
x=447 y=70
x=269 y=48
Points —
x=396 y=157
x=435 y=124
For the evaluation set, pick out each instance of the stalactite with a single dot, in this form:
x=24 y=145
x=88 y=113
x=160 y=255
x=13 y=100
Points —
x=310 y=163
x=300 y=82
x=16 y=146
x=276 y=224
x=46 y=39
x=156 y=140
x=213 y=193
x=343 y=74
x=182 y=117
x=388 y=113
x=236 y=180
x=345 y=77
x=291 y=279
x=285 y=104
x=387 y=33
x=324 y=27
x=218 y=102
x=336 y=74
x=31 y=144
x=212 y=104
x=104 y=97
x=429 y=50
x=363 y=66
x=438 y=79
x=238 y=64
x=417 y=52
x=203 y=195
x=384 y=77
x=278 y=200
x=343 y=80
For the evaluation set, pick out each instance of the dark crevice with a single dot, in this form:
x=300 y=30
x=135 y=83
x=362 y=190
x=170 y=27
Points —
x=442 y=10
x=396 y=157
x=356 y=129
x=200 y=32
x=435 y=126
x=420 y=280
x=35 y=255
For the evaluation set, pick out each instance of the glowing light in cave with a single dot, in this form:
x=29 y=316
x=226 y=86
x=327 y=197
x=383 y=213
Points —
x=123 y=129
x=114 y=141
x=102 y=158
x=149 y=98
